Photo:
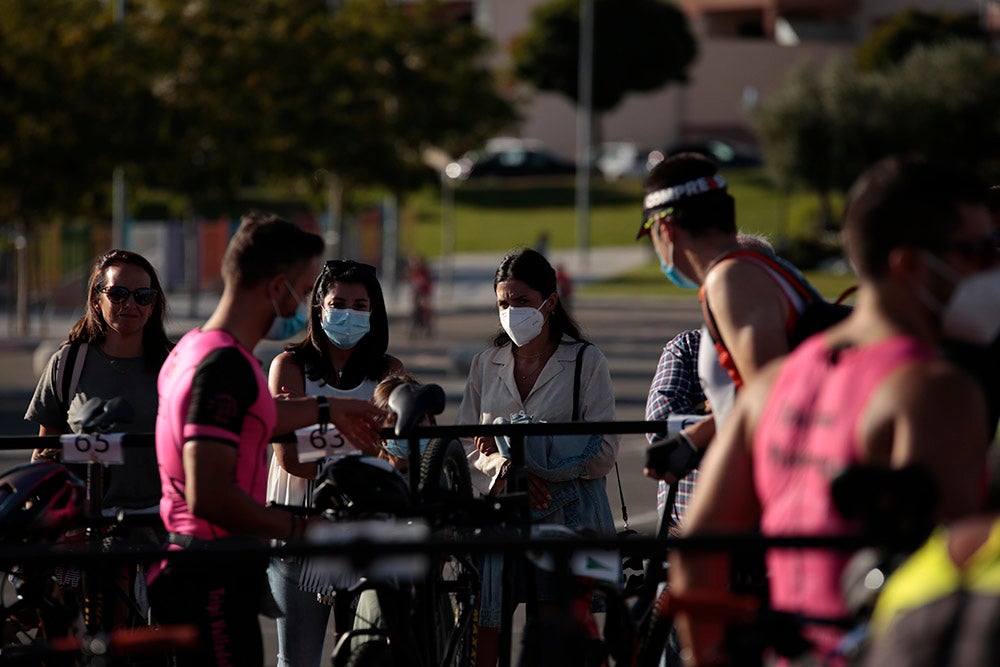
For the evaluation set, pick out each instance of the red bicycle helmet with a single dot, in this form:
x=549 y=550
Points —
x=42 y=498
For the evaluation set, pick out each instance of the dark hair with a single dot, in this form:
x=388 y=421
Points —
x=903 y=201
x=368 y=358
x=531 y=268
x=380 y=397
x=265 y=246
x=699 y=214
x=91 y=327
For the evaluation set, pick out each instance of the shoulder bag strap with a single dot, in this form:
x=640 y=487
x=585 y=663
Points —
x=576 y=417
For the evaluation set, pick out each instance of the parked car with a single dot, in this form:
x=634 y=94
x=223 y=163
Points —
x=508 y=157
x=724 y=152
x=624 y=159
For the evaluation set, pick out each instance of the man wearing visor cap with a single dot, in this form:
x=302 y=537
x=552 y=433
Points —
x=690 y=218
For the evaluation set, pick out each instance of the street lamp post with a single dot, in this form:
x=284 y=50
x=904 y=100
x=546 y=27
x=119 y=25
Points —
x=584 y=119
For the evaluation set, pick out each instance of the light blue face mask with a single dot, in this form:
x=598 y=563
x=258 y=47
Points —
x=675 y=275
x=345 y=326
x=401 y=448
x=285 y=327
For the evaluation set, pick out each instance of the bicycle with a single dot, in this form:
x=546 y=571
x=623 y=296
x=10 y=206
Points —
x=66 y=611
x=894 y=509
x=408 y=610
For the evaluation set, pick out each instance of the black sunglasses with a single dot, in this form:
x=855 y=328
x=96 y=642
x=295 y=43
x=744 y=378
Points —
x=143 y=296
x=339 y=266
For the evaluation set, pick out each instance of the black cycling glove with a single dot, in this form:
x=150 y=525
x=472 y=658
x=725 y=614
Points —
x=675 y=454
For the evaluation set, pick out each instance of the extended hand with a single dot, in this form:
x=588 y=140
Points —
x=359 y=422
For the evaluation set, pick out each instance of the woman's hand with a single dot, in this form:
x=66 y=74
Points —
x=359 y=422
x=486 y=445
x=538 y=491
x=47 y=454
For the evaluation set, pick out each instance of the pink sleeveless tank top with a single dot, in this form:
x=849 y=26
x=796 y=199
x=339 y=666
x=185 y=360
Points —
x=806 y=436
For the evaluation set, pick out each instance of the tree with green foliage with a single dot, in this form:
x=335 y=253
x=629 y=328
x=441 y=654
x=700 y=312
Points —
x=286 y=89
x=72 y=105
x=639 y=45
x=204 y=99
x=890 y=42
x=827 y=124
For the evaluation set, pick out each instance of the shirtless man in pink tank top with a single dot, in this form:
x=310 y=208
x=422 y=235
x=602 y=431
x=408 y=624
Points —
x=869 y=390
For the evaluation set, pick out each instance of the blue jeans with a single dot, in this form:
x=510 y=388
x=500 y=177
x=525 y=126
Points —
x=302 y=628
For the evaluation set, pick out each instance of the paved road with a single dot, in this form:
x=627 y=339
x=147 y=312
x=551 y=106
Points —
x=630 y=330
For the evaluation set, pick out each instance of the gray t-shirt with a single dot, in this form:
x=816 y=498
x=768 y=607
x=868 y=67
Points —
x=136 y=483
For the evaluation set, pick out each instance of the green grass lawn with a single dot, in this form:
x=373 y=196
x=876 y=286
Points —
x=498 y=216
x=649 y=281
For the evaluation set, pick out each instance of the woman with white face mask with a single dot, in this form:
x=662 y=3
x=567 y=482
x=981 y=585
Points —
x=343 y=356
x=529 y=371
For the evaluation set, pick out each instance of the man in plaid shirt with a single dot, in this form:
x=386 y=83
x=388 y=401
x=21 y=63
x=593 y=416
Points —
x=675 y=390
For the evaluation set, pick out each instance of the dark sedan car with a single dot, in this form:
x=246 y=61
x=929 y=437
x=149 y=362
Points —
x=514 y=162
x=724 y=153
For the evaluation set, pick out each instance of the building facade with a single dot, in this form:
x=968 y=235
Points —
x=745 y=51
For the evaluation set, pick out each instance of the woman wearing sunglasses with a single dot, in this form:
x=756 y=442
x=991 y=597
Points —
x=122 y=343
x=343 y=356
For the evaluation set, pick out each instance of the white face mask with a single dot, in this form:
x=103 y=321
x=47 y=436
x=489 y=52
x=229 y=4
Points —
x=972 y=314
x=522 y=324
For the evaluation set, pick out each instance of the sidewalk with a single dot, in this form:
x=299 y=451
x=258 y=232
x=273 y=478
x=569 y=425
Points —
x=465 y=283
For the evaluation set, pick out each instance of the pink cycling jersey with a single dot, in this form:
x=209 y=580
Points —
x=211 y=389
x=806 y=436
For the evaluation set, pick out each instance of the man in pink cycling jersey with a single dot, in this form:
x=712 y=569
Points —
x=869 y=390
x=215 y=420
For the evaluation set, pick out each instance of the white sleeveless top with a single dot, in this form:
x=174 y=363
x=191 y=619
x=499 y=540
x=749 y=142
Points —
x=286 y=489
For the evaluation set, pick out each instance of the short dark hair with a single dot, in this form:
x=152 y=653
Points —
x=531 y=268
x=714 y=210
x=265 y=246
x=368 y=358
x=91 y=327
x=905 y=200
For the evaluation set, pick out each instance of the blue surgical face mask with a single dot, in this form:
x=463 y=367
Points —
x=675 y=275
x=345 y=326
x=401 y=448
x=285 y=327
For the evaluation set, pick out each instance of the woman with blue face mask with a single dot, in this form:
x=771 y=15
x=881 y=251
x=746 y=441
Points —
x=342 y=356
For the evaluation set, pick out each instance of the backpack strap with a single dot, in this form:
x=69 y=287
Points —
x=69 y=367
x=779 y=271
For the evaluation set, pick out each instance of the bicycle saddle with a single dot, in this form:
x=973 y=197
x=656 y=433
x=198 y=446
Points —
x=411 y=404
x=100 y=416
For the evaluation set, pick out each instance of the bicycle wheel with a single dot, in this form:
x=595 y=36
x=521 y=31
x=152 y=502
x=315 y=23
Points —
x=371 y=654
x=444 y=472
x=654 y=631
x=456 y=599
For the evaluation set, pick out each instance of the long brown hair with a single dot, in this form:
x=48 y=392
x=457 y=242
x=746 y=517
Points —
x=91 y=328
